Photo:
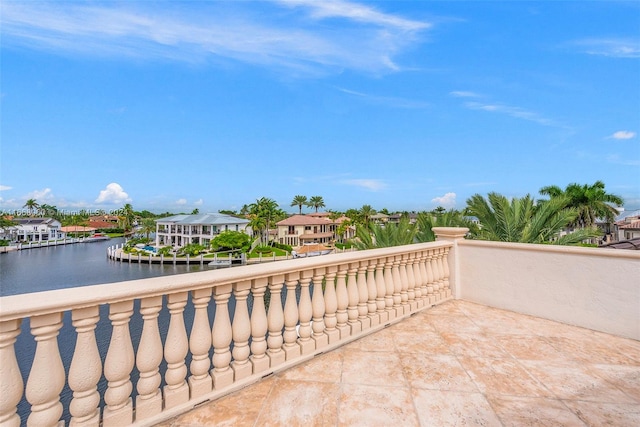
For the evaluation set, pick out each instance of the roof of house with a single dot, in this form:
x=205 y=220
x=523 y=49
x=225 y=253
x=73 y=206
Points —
x=631 y=225
x=633 y=244
x=102 y=224
x=304 y=220
x=34 y=221
x=208 y=219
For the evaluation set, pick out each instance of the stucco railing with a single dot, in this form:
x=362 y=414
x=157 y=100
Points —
x=198 y=335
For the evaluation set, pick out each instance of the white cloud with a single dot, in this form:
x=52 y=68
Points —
x=389 y=101
x=623 y=134
x=356 y=12
x=368 y=184
x=614 y=48
x=181 y=202
x=447 y=201
x=367 y=40
x=464 y=94
x=515 y=112
x=5 y=187
x=113 y=193
x=198 y=202
x=41 y=195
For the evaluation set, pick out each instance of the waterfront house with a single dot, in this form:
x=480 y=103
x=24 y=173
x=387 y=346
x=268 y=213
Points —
x=37 y=229
x=311 y=228
x=628 y=226
x=181 y=230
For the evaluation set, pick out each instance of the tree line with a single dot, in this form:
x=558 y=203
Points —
x=567 y=216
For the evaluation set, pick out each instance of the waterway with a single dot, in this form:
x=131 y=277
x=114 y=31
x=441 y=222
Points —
x=73 y=265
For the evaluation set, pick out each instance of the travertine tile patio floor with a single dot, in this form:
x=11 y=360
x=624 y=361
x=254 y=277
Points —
x=458 y=363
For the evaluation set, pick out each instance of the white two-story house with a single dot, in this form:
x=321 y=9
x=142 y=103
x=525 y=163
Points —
x=181 y=230
x=37 y=229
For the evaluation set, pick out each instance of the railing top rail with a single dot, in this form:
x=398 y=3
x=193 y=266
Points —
x=560 y=249
x=40 y=303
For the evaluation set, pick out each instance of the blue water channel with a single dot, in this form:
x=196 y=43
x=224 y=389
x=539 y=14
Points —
x=83 y=264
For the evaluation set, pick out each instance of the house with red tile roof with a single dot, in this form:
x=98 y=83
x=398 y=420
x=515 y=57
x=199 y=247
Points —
x=311 y=228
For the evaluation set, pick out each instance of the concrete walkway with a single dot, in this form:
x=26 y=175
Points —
x=458 y=363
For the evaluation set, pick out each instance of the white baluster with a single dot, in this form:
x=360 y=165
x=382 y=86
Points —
x=149 y=399
x=320 y=339
x=290 y=336
x=11 y=385
x=353 y=300
x=415 y=268
x=430 y=277
x=275 y=319
x=437 y=274
x=445 y=272
x=241 y=331
x=221 y=336
x=331 y=306
x=372 y=294
x=441 y=281
x=404 y=279
x=85 y=370
x=259 y=329
x=363 y=296
x=200 y=382
x=381 y=290
x=176 y=346
x=305 y=312
x=343 y=302
x=413 y=295
x=118 y=366
x=47 y=376
x=397 y=287
x=389 y=297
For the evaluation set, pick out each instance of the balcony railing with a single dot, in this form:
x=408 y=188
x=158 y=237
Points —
x=146 y=350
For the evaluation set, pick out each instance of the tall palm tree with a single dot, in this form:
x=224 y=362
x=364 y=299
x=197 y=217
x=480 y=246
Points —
x=268 y=210
x=148 y=226
x=366 y=211
x=316 y=202
x=299 y=201
x=127 y=217
x=591 y=201
x=31 y=206
x=521 y=220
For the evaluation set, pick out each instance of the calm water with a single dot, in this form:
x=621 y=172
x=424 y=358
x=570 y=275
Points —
x=79 y=264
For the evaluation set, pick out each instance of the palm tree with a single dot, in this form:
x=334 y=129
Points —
x=48 y=210
x=31 y=206
x=299 y=201
x=591 y=201
x=148 y=226
x=521 y=220
x=384 y=236
x=127 y=217
x=366 y=211
x=316 y=202
x=268 y=210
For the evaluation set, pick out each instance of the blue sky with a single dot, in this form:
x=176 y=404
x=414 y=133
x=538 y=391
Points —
x=404 y=105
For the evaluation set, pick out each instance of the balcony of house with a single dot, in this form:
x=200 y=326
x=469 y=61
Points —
x=450 y=332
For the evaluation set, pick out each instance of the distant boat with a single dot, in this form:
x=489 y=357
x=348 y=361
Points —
x=311 y=249
x=97 y=237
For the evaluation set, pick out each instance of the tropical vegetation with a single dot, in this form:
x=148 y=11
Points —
x=591 y=201
x=522 y=220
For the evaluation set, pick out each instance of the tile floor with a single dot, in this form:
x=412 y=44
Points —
x=456 y=364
